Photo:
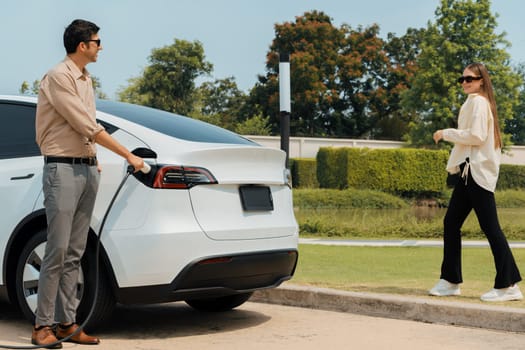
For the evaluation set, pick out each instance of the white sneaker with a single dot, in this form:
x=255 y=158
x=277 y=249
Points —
x=444 y=288
x=503 y=294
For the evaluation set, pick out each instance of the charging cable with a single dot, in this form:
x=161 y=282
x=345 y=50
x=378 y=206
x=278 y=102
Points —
x=146 y=169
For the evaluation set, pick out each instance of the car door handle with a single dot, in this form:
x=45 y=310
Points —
x=28 y=176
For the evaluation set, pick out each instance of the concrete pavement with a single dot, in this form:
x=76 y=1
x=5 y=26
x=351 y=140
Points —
x=257 y=326
x=424 y=309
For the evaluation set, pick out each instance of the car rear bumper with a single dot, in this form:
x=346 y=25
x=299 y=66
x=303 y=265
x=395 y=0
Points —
x=219 y=276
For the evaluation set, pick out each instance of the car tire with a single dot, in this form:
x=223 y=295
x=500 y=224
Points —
x=219 y=304
x=28 y=272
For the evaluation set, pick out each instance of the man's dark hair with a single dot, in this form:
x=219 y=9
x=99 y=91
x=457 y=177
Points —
x=78 y=31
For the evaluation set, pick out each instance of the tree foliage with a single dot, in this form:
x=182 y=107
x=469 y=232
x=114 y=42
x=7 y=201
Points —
x=97 y=87
x=168 y=82
x=344 y=82
x=515 y=127
x=363 y=80
x=314 y=46
x=220 y=102
x=402 y=53
x=464 y=32
x=256 y=125
x=26 y=89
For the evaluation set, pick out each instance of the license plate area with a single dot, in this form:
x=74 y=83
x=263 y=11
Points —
x=256 y=198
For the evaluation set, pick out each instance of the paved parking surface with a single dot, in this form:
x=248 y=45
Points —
x=265 y=326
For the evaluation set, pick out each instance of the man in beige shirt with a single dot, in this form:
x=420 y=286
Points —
x=67 y=131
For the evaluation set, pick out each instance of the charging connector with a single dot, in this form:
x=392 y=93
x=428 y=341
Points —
x=145 y=169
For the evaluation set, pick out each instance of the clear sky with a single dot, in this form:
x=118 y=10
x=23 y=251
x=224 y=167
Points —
x=235 y=34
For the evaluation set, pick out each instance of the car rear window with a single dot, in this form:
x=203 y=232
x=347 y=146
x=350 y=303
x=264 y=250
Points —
x=172 y=124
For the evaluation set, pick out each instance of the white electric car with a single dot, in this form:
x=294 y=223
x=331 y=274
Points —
x=212 y=222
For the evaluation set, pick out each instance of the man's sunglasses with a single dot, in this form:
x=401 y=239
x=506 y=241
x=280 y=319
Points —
x=97 y=41
x=468 y=79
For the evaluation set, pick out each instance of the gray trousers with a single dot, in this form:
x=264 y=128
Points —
x=69 y=197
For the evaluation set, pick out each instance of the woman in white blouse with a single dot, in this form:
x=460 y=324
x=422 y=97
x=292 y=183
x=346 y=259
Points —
x=475 y=157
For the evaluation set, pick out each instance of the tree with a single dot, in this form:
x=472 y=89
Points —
x=256 y=125
x=220 y=103
x=25 y=89
x=314 y=45
x=402 y=53
x=97 y=87
x=344 y=82
x=168 y=82
x=515 y=127
x=363 y=81
x=463 y=33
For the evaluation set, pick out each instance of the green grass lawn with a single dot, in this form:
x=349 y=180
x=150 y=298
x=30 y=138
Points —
x=405 y=223
x=396 y=270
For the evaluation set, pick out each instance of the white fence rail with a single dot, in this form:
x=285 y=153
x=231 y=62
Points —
x=307 y=147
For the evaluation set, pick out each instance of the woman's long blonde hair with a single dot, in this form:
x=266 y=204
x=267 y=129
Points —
x=488 y=91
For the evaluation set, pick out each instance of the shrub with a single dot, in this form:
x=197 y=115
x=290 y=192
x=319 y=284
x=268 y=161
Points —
x=511 y=177
x=304 y=173
x=408 y=172
x=332 y=165
x=349 y=198
x=510 y=198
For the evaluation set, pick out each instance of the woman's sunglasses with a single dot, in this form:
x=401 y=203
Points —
x=468 y=79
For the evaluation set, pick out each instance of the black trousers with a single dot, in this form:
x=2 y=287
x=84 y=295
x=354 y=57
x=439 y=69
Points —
x=466 y=197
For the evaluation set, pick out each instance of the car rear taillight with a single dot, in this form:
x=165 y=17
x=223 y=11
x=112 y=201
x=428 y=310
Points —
x=182 y=177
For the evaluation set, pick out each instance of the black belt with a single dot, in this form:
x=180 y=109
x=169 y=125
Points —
x=71 y=160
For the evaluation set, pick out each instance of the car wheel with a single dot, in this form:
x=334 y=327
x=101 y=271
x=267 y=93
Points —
x=28 y=273
x=219 y=304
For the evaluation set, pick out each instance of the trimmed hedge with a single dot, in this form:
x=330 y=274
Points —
x=406 y=172
x=511 y=177
x=332 y=165
x=304 y=173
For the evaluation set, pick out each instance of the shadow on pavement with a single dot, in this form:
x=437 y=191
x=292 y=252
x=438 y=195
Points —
x=10 y=312
x=144 y=322
x=175 y=320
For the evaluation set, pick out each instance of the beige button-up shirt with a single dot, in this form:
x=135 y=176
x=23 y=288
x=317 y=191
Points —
x=66 y=113
x=474 y=138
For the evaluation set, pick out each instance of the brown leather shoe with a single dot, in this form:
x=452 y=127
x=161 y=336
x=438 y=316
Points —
x=44 y=337
x=79 y=338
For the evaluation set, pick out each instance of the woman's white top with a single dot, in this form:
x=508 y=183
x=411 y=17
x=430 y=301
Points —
x=474 y=139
